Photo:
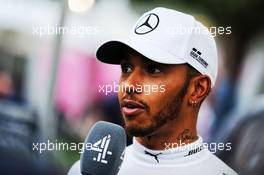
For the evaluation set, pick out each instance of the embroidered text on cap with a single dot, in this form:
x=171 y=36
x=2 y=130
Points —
x=197 y=55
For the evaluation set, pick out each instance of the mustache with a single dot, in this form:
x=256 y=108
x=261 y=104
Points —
x=134 y=99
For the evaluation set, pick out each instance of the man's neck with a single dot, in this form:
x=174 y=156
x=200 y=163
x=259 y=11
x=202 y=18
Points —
x=171 y=134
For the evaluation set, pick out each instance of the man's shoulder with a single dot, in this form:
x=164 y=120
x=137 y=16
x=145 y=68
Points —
x=128 y=151
x=215 y=163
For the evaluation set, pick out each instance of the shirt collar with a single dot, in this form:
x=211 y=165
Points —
x=171 y=154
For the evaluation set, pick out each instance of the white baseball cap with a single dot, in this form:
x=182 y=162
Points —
x=170 y=37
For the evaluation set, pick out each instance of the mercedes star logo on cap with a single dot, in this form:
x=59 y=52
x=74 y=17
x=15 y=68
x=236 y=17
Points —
x=147 y=24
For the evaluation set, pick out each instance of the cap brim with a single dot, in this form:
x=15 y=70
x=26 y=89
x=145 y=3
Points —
x=112 y=52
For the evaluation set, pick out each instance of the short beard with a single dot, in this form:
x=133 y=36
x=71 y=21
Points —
x=169 y=112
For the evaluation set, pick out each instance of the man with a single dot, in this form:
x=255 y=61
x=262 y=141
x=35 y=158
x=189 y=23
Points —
x=174 y=56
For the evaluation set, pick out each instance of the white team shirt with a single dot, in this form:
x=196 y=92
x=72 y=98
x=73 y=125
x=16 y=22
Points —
x=191 y=160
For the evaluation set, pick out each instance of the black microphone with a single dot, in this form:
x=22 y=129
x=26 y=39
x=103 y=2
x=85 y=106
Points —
x=104 y=149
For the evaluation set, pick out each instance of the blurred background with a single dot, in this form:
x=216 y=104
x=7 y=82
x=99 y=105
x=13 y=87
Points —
x=49 y=77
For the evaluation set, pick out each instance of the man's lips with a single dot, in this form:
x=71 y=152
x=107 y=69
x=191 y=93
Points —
x=132 y=108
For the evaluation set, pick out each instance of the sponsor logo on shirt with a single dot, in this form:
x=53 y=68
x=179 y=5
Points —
x=194 y=151
x=153 y=155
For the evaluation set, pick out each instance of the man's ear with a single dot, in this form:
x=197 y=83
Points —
x=200 y=88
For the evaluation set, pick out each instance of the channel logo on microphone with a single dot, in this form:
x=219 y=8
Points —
x=101 y=146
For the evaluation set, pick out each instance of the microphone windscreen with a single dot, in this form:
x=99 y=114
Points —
x=103 y=149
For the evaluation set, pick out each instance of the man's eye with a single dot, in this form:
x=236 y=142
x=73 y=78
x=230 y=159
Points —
x=126 y=68
x=152 y=69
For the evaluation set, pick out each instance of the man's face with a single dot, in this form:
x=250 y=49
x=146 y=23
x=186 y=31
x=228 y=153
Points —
x=145 y=112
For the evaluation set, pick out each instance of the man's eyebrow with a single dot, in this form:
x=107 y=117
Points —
x=129 y=57
x=126 y=57
x=159 y=64
x=149 y=61
x=125 y=60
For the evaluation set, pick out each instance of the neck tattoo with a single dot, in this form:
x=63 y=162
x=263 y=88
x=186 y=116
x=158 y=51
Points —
x=186 y=135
